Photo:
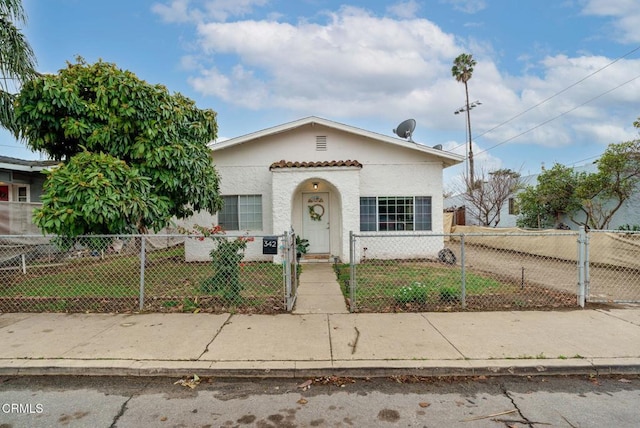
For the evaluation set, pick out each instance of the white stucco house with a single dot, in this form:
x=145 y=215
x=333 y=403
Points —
x=325 y=179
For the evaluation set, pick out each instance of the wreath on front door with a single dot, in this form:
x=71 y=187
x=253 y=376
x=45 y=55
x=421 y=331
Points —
x=316 y=211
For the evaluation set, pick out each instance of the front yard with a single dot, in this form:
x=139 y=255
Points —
x=112 y=284
x=423 y=285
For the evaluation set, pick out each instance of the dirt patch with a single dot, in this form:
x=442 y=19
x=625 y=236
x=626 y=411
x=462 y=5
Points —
x=205 y=304
x=528 y=298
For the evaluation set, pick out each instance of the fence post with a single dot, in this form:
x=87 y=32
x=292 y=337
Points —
x=23 y=258
x=352 y=272
x=581 y=265
x=463 y=273
x=143 y=259
x=287 y=271
x=587 y=273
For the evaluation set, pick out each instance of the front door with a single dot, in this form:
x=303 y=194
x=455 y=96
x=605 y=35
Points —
x=315 y=223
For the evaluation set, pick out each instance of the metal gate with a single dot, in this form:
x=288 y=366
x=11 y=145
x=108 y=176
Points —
x=613 y=269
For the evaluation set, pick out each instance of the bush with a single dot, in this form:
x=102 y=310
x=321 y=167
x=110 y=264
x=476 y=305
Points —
x=225 y=258
x=448 y=294
x=630 y=228
x=414 y=293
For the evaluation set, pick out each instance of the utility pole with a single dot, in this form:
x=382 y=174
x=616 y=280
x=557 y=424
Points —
x=467 y=108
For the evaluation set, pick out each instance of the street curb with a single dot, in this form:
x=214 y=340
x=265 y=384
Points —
x=488 y=368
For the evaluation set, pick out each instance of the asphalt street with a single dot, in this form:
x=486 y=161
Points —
x=408 y=401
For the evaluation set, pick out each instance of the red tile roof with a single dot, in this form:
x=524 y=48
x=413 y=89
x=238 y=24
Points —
x=288 y=164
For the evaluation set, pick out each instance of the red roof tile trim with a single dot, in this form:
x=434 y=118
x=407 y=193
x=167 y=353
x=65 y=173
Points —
x=289 y=164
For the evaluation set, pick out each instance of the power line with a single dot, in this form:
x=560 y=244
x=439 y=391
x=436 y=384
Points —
x=560 y=92
x=560 y=115
x=551 y=97
x=585 y=159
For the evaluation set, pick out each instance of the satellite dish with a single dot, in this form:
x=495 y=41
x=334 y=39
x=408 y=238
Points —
x=438 y=147
x=405 y=129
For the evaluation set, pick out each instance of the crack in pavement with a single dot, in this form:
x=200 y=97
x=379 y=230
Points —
x=525 y=420
x=206 y=348
x=123 y=408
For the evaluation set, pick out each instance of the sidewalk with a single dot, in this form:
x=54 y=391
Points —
x=321 y=338
x=304 y=345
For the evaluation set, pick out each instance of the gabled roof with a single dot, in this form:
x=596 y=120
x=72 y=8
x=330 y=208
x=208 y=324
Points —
x=448 y=158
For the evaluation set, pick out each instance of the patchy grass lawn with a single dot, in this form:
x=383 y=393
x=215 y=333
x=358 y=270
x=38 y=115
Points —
x=170 y=284
x=398 y=286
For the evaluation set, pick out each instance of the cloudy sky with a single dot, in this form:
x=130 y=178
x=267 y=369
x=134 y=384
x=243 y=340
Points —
x=558 y=79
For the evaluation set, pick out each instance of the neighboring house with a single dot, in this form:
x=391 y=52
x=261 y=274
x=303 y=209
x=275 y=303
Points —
x=466 y=214
x=21 y=184
x=325 y=179
x=628 y=213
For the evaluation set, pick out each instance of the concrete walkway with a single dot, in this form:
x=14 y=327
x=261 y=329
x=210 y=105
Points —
x=319 y=291
x=307 y=345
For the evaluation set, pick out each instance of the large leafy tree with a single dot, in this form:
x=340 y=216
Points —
x=462 y=71
x=97 y=193
x=541 y=206
x=160 y=137
x=17 y=60
x=618 y=176
x=597 y=196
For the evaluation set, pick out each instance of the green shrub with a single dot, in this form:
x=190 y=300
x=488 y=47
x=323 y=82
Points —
x=414 y=293
x=630 y=228
x=225 y=258
x=449 y=294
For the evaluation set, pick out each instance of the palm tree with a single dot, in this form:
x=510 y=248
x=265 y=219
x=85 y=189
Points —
x=462 y=70
x=17 y=60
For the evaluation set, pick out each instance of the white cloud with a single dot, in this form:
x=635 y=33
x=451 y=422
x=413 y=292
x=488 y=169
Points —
x=467 y=6
x=176 y=11
x=189 y=62
x=199 y=10
x=359 y=65
x=356 y=64
x=624 y=13
x=406 y=9
x=220 y=10
x=607 y=132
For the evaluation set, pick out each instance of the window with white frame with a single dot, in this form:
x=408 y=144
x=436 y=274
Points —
x=20 y=193
x=393 y=213
x=241 y=212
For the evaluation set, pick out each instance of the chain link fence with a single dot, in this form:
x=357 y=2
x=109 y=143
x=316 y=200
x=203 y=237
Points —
x=386 y=273
x=613 y=274
x=168 y=273
x=395 y=273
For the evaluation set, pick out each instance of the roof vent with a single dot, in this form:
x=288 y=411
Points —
x=321 y=143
